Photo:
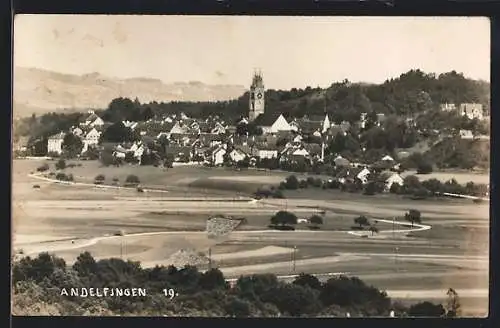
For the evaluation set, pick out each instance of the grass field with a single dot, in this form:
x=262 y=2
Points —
x=459 y=229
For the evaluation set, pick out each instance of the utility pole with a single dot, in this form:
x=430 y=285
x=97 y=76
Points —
x=121 y=247
x=209 y=258
x=294 y=257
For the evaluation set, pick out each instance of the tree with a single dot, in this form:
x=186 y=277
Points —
x=292 y=299
x=453 y=307
x=307 y=280
x=118 y=133
x=373 y=229
x=361 y=221
x=413 y=216
x=61 y=164
x=72 y=145
x=292 y=182
x=236 y=307
x=212 y=279
x=132 y=179
x=85 y=265
x=316 y=220
x=424 y=168
x=284 y=218
x=426 y=309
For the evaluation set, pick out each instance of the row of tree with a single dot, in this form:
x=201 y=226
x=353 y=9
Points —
x=39 y=281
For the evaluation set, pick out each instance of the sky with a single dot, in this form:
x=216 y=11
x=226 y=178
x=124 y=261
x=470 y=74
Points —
x=290 y=51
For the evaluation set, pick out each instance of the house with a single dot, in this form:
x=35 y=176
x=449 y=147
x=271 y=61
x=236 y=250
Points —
x=237 y=155
x=216 y=154
x=448 y=107
x=91 y=139
x=272 y=123
x=363 y=175
x=54 y=143
x=387 y=158
x=472 y=111
x=77 y=131
x=393 y=178
x=129 y=124
x=218 y=128
x=466 y=134
x=340 y=161
x=380 y=119
x=362 y=120
x=93 y=120
x=267 y=153
x=179 y=128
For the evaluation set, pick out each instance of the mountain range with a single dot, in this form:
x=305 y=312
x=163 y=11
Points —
x=41 y=91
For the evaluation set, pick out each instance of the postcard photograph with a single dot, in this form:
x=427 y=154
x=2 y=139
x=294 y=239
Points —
x=250 y=166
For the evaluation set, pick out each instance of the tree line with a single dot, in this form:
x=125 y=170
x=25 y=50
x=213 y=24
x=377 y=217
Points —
x=38 y=281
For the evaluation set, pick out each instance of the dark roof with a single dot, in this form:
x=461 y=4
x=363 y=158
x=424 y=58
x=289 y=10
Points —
x=266 y=119
x=313 y=149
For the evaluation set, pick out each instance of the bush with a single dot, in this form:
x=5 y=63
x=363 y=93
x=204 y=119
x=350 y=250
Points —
x=140 y=189
x=426 y=309
x=61 y=164
x=132 y=179
x=99 y=179
x=424 y=168
x=303 y=184
x=281 y=227
x=292 y=182
x=61 y=177
x=43 y=168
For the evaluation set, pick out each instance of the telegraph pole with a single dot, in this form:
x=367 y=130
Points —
x=294 y=257
x=209 y=258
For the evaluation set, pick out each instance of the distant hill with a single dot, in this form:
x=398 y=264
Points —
x=40 y=91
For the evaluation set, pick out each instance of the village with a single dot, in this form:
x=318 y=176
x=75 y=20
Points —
x=261 y=140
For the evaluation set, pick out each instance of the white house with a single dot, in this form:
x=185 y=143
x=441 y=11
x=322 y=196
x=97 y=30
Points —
x=267 y=153
x=90 y=139
x=301 y=152
x=93 y=120
x=217 y=155
x=129 y=124
x=218 y=129
x=363 y=175
x=472 y=111
x=237 y=155
x=387 y=158
x=77 y=131
x=297 y=139
x=139 y=151
x=280 y=124
x=394 y=178
x=466 y=134
x=54 y=143
x=448 y=107
x=179 y=128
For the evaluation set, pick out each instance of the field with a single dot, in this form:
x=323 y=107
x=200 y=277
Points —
x=69 y=219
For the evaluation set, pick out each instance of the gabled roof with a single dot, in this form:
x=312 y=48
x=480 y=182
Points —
x=266 y=119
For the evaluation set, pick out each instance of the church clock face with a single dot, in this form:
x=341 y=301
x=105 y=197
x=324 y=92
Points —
x=259 y=95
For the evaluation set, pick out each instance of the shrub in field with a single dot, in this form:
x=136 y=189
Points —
x=61 y=164
x=99 y=179
x=361 y=221
x=424 y=168
x=70 y=177
x=132 y=180
x=292 y=182
x=61 y=177
x=284 y=218
x=43 y=168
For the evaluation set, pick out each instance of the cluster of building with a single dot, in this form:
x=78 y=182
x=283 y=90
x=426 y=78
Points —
x=471 y=110
x=215 y=140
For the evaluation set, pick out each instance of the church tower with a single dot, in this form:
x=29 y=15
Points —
x=256 y=97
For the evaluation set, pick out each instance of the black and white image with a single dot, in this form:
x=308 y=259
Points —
x=250 y=166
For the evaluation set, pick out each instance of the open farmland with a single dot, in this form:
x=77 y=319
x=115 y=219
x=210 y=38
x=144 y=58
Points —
x=67 y=220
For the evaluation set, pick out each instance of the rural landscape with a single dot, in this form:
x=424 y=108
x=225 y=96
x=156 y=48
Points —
x=352 y=200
